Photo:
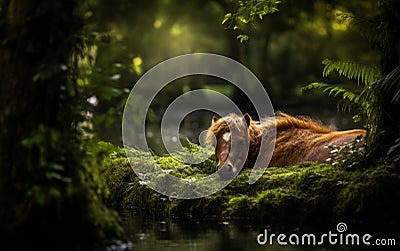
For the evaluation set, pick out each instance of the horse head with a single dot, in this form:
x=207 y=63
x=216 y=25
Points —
x=230 y=137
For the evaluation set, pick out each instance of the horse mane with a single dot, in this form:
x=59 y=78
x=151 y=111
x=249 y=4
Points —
x=284 y=122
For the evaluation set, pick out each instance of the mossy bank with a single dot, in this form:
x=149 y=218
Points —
x=303 y=195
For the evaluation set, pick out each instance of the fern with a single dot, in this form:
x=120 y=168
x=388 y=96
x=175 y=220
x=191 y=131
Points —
x=366 y=74
x=363 y=73
x=332 y=90
x=394 y=150
x=388 y=85
x=391 y=84
x=375 y=31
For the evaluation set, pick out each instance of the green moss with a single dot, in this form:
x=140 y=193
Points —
x=239 y=205
x=311 y=193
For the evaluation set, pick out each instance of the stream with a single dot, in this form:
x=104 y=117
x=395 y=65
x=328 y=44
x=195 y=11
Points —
x=149 y=233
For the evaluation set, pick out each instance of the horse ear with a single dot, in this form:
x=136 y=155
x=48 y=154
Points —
x=214 y=119
x=247 y=118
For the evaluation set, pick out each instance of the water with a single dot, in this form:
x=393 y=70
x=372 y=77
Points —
x=147 y=234
x=207 y=235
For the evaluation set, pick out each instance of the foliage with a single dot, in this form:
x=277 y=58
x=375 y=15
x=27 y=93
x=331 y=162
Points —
x=247 y=12
x=332 y=90
x=375 y=31
x=116 y=55
x=304 y=194
x=50 y=186
x=383 y=97
x=380 y=95
x=352 y=70
x=365 y=74
x=347 y=155
x=379 y=99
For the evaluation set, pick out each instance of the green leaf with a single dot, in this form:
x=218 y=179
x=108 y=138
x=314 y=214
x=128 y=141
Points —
x=226 y=17
x=366 y=74
x=332 y=90
x=108 y=92
x=356 y=118
x=56 y=167
x=314 y=85
x=243 y=19
x=242 y=37
x=55 y=193
x=37 y=194
x=391 y=85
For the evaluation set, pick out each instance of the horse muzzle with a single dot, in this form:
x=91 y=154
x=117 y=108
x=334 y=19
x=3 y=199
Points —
x=227 y=171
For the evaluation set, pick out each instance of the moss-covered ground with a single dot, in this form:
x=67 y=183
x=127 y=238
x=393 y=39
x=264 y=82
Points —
x=312 y=194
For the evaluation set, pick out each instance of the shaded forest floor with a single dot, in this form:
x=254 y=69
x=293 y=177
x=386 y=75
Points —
x=309 y=194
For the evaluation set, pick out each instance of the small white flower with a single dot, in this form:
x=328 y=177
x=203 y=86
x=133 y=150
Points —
x=115 y=77
x=63 y=67
x=144 y=182
x=92 y=100
x=190 y=180
x=334 y=151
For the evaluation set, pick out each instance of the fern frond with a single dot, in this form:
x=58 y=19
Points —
x=367 y=74
x=375 y=32
x=314 y=85
x=332 y=91
x=394 y=151
x=390 y=85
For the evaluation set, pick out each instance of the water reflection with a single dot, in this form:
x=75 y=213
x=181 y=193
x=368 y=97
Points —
x=167 y=234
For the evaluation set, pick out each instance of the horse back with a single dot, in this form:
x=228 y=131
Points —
x=320 y=152
x=297 y=146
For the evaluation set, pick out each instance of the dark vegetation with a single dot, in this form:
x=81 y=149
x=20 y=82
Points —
x=50 y=185
x=66 y=69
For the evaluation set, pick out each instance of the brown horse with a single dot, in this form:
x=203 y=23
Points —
x=298 y=140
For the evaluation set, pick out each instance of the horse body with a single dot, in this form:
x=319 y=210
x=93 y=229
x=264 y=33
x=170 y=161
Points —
x=297 y=146
x=298 y=140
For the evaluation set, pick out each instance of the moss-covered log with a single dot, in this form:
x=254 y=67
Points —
x=308 y=194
